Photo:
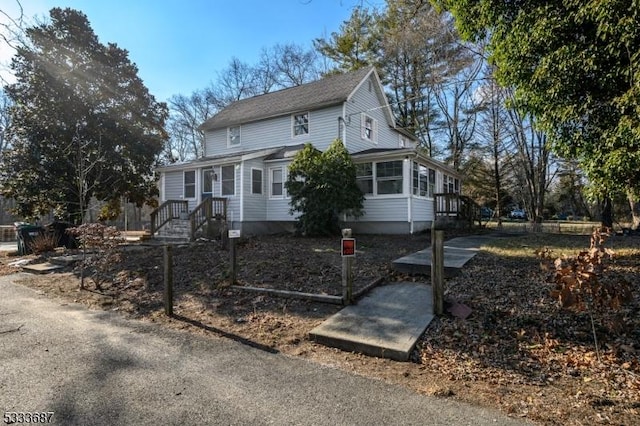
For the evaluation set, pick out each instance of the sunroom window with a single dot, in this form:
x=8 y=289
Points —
x=389 y=177
x=420 y=180
x=364 y=177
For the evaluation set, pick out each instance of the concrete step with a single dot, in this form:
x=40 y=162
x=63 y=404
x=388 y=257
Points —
x=41 y=268
x=385 y=323
x=457 y=252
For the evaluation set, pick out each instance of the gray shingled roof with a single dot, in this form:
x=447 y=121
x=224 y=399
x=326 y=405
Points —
x=328 y=91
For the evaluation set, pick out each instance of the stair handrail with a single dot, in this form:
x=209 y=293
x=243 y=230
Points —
x=210 y=208
x=170 y=209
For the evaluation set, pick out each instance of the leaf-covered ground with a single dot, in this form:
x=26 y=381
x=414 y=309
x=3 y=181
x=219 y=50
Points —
x=517 y=351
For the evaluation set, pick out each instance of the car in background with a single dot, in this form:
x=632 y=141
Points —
x=486 y=213
x=518 y=214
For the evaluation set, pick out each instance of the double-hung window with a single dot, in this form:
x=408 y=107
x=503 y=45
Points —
x=233 y=136
x=364 y=177
x=256 y=181
x=389 y=177
x=228 y=180
x=277 y=182
x=301 y=124
x=189 y=184
x=369 y=128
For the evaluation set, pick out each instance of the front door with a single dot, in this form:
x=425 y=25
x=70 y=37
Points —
x=207 y=183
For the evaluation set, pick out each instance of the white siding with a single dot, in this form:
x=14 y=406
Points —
x=255 y=205
x=277 y=207
x=276 y=132
x=368 y=102
x=421 y=209
x=388 y=209
x=172 y=186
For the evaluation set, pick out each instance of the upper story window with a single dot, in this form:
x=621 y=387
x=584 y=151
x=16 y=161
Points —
x=301 y=124
x=233 y=136
x=369 y=128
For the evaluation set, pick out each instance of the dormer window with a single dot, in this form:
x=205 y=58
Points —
x=301 y=124
x=233 y=136
x=369 y=128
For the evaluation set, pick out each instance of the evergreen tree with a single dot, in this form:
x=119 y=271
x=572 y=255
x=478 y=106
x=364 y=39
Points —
x=322 y=186
x=83 y=124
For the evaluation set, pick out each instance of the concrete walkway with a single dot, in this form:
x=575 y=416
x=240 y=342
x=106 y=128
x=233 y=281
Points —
x=389 y=320
x=457 y=252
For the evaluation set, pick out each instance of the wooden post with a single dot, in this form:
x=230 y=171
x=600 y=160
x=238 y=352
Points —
x=232 y=260
x=168 y=280
x=347 y=280
x=347 y=273
x=437 y=270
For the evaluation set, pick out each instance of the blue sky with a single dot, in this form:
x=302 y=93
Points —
x=180 y=45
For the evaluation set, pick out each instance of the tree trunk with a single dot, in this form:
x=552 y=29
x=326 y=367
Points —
x=635 y=210
x=607 y=213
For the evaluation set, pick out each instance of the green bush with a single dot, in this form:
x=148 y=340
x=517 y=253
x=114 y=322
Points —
x=322 y=186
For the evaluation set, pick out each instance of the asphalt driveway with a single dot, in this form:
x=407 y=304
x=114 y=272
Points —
x=94 y=367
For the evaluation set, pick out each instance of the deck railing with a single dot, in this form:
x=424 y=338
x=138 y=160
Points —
x=456 y=207
x=170 y=209
x=213 y=208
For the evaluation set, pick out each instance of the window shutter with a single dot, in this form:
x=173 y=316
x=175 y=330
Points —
x=363 y=129
x=374 y=137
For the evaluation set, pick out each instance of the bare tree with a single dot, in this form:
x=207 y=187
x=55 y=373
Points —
x=488 y=161
x=5 y=121
x=11 y=32
x=532 y=161
x=186 y=114
x=419 y=49
x=458 y=109
x=295 y=66
x=235 y=82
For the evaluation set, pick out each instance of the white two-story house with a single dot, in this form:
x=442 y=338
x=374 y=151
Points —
x=250 y=143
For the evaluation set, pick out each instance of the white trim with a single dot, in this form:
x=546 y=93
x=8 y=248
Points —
x=234 y=180
x=293 y=125
x=242 y=194
x=229 y=145
x=195 y=184
x=281 y=196
x=163 y=187
x=201 y=174
x=344 y=125
x=373 y=131
x=261 y=181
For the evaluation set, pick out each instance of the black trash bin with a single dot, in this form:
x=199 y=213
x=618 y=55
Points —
x=25 y=234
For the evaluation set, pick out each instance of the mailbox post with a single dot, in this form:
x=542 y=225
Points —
x=348 y=252
x=234 y=234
